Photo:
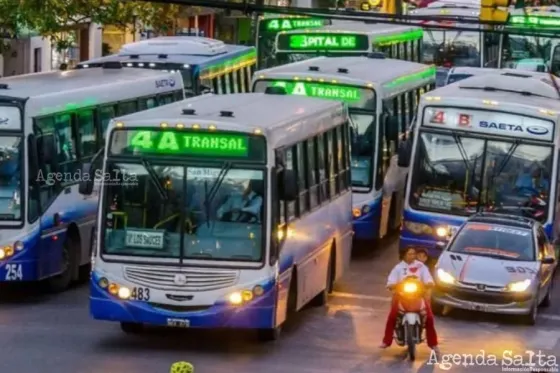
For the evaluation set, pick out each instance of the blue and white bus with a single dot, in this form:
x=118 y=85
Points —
x=207 y=65
x=214 y=222
x=50 y=123
x=487 y=143
x=382 y=95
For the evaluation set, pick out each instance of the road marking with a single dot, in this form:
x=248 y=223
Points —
x=544 y=340
x=337 y=294
x=549 y=316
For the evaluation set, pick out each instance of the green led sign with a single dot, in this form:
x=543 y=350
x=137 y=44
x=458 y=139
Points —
x=284 y=24
x=534 y=21
x=321 y=90
x=323 y=42
x=176 y=143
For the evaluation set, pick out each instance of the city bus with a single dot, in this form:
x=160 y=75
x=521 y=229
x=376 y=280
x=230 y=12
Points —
x=446 y=47
x=382 y=95
x=207 y=65
x=485 y=144
x=533 y=42
x=345 y=38
x=215 y=221
x=270 y=25
x=51 y=123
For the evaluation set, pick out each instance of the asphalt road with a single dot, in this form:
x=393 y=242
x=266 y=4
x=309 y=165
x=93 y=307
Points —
x=54 y=334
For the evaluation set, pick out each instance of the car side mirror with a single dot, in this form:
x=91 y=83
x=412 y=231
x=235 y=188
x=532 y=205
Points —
x=46 y=147
x=548 y=260
x=441 y=246
x=288 y=185
x=404 y=153
x=86 y=182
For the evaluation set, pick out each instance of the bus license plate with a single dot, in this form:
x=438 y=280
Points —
x=178 y=323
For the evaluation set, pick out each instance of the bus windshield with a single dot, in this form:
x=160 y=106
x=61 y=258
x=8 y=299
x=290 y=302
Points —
x=172 y=211
x=452 y=48
x=10 y=178
x=460 y=175
x=525 y=52
x=362 y=127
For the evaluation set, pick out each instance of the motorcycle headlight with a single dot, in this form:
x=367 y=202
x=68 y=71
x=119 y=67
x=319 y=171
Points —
x=410 y=287
x=519 y=286
x=445 y=277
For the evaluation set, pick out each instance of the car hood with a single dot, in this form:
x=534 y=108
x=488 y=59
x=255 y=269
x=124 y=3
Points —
x=476 y=269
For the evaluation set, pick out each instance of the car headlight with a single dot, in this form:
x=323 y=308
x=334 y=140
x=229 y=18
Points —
x=445 y=277
x=519 y=286
x=418 y=228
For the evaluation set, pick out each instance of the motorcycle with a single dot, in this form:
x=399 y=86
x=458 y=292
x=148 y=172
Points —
x=411 y=318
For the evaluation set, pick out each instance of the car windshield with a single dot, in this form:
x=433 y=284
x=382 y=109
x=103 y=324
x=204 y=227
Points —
x=363 y=140
x=495 y=241
x=449 y=176
x=214 y=213
x=452 y=48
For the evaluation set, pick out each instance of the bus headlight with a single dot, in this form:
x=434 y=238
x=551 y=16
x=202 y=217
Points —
x=124 y=293
x=121 y=292
x=9 y=250
x=244 y=296
x=358 y=212
x=442 y=232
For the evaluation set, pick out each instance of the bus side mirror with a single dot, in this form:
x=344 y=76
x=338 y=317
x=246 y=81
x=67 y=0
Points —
x=86 y=182
x=287 y=189
x=46 y=148
x=404 y=153
x=548 y=260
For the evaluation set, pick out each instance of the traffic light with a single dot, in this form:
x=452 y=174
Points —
x=494 y=10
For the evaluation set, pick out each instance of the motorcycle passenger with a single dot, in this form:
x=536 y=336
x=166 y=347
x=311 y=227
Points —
x=409 y=266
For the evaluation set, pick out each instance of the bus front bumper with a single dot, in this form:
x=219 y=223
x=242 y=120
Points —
x=256 y=314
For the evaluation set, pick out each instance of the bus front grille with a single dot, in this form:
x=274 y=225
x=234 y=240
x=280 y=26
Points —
x=185 y=279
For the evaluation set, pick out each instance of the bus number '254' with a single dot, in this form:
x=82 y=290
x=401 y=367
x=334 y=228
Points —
x=140 y=294
x=14 y=272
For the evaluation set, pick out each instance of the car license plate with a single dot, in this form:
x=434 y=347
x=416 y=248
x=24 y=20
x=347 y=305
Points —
x=478 y=307
x=178 y=323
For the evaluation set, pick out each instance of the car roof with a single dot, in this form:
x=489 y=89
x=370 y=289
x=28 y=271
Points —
x=503 y=219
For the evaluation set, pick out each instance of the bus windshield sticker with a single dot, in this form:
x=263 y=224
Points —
x=341 y=42
x=145 y=239
x=442 y=200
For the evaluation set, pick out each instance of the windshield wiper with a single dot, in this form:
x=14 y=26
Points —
x=154 y=179
x=505 y=161
x=210 y=194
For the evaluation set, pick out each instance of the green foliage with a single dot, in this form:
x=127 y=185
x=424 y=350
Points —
x=49 y=17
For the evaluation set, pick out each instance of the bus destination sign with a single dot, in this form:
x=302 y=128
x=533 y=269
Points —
x=286 y=24
x=313 y=42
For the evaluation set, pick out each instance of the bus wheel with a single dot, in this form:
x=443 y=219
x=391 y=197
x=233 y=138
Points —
x=131 y=327
x=68 y=264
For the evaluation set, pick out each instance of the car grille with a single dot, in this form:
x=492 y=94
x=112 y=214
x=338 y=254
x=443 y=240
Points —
x=487 y=297
x=194 y=279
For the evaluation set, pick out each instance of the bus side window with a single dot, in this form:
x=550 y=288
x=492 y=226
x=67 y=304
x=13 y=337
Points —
x=66 y=143
x=106 y=113
x=312 y=174
x=126 y=107
x=241 y=80
x=289 y=165
x=331 y=163
x=146 y=103
x=380 y=171
x=235 y=81
x=87 y=135
x=322 y=167
x=340 y=167
x=303 y=170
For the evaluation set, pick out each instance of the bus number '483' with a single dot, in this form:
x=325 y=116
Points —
x=14 y=272
x=140 y=294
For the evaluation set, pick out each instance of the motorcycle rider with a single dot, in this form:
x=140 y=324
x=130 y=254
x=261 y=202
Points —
x=409 y=266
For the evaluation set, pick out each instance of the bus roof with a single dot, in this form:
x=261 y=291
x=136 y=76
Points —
x=367 y=28
x=392 y=75
x=474 y=70
x=449 y=13
x=60 y=82
x=272 y=114
x=512 y=88
x=185 y=50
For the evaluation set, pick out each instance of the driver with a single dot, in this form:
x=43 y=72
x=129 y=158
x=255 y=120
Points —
x=534 y=180
x=250 y=202
x=410 y=267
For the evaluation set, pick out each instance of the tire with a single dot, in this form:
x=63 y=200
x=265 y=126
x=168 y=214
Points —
x=69 y=259
x=547 y=301
x=531 y=318
x=131 y=327
x=322 y=298
x=410 y=342
x=269 y=335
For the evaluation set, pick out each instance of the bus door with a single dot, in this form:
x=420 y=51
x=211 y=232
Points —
x=555 y=59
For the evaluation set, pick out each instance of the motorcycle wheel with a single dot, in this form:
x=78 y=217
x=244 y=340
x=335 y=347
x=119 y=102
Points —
x=410 y=341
